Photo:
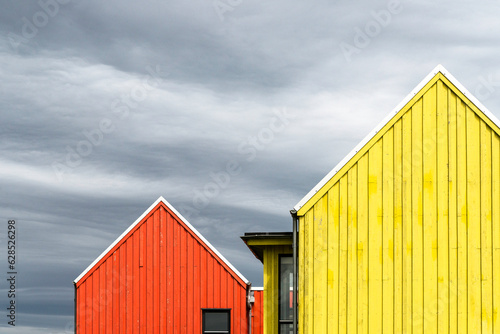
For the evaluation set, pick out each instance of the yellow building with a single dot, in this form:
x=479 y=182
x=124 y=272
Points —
x=403 y=235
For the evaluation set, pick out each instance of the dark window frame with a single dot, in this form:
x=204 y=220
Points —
x=282 y=321
x=215 y=310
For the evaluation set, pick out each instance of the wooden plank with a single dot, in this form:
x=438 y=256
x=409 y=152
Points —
x=143 y=278
x=333 y=261
x=429 y=211
x=102 y=299
x=182 y=284
x=216 y=279
x=268 y=302
x=89 y=305
x=261 y=314
x=123 y=286
x=362 y=244
x=177 y=278
x=106 y=296
x=96 y=301
x=130 y=284
x=230 y=297
x=163 y=270
x=131 y=281
x=81 y=313
x=462 y=216
x=474 y=223
x=302 y=275
x=120 y=286
x=149 y=275
x=78 y=309
x=236 y=316
x=190 y=285
x=442 y=209
x=388 y=232
x=352 y=254
x=92 y=321
x=142 y=243
x=135 y=284
x=170 y=273
x=107 y=268
x=242 y=316
x=257 y=313
x=116 y=291
x=495 y=217
x=203 y=277
x=269 y=285
x=486 y=230
x=407 y=222
x=343 y=257
x=320 y=231
x=156 y=272
x=375 y=217
x=223 y=288
x=309 y=296
x=417 y=220
x=196 y=288
x=452 y=212
x=210 y=282
x=398 y=229
x=96 y=292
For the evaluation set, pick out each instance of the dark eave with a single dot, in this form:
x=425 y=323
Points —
x=257 y=241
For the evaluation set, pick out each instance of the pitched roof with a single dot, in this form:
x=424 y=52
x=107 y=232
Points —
x=188 y=225
x=438 y=73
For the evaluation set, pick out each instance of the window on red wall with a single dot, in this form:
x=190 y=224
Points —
x=216 y=320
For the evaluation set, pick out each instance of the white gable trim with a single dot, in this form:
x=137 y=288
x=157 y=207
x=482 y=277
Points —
x=184 y=220
x=386 y=120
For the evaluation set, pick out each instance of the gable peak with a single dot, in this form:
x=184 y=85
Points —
x=449 y=80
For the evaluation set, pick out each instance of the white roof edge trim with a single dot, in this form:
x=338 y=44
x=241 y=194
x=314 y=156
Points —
x=257 y=288
x=386 y=120
x=184 y=220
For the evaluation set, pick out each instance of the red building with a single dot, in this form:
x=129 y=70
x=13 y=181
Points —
x=257 y=311
x=162 y=276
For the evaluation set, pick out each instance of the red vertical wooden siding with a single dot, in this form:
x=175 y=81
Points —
x=157 y=279
x=258 y=312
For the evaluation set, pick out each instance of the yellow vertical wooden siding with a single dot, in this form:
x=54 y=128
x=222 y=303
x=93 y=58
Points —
x=406 y=237
x=271 y=286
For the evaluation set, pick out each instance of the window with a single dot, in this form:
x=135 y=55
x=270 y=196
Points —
x=286 y=299
x=216 y=320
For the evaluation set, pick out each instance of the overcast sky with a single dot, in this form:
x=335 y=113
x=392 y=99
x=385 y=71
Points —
x=107 y=105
